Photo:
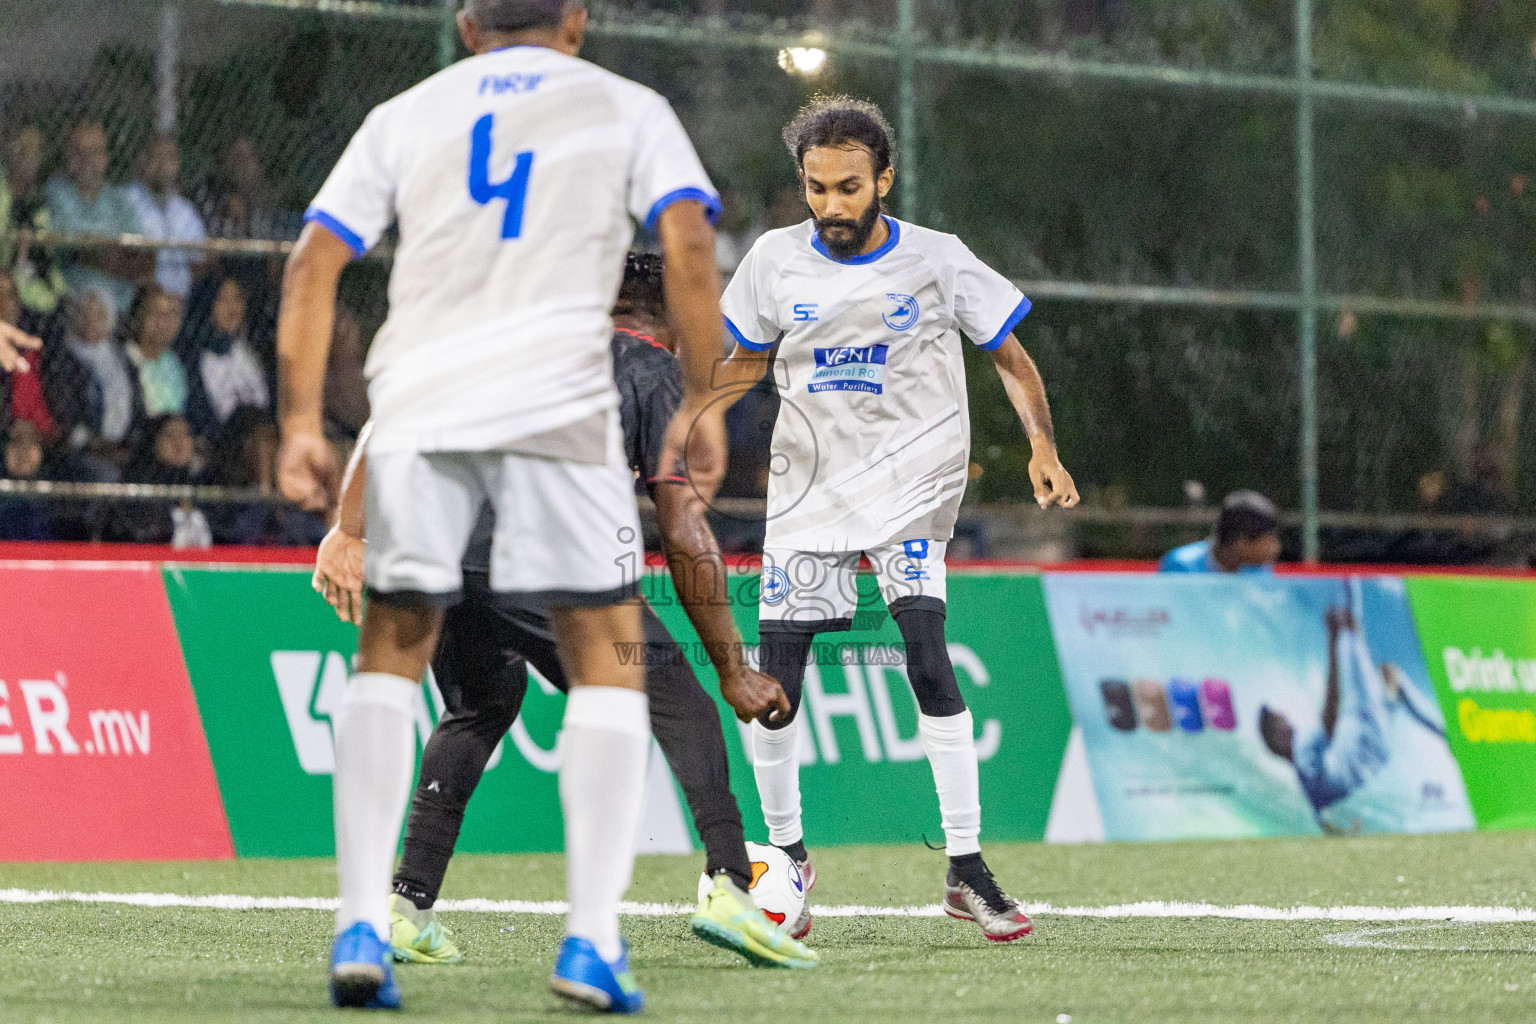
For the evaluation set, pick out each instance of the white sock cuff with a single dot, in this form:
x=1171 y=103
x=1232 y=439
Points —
x=777 y=744
x=382 y=688
x=610 y=708
x=950 y=729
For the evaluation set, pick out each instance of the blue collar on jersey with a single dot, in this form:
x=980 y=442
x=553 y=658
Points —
x=859 y=261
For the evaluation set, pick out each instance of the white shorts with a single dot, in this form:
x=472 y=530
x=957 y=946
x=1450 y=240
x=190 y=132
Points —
x=818 y=590
x=567 y=533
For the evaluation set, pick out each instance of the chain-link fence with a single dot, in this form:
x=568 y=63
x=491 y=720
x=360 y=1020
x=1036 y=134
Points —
x=1133 y=163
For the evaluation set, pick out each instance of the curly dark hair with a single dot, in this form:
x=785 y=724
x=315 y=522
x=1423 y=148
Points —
x=642 y=289
x=841 y=121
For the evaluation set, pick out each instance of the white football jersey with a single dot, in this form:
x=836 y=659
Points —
x=873 y=439
x=513 y=177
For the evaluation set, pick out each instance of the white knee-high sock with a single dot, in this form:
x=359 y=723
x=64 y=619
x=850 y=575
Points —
x=375 y=759
x=604 y=744
x=776 y=764
x=951 y=748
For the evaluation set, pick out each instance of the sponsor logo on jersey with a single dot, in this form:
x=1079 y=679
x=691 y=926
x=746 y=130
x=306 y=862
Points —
x=807 y=312
x=849 y=369
x=903 y=314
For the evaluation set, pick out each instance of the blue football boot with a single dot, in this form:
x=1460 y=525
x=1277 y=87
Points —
x=361 y=972
x=581 y=974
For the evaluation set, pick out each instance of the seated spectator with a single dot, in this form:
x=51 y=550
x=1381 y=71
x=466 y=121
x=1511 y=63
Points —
x=167 y=215
x=346 y=389
x=162 y=452
x=153 y=325
x=81 y=201
x=223 y=370
x=23 y=518
x=38 y=279
x=26 y=389
x=1247 y=539
x=236 y=201
x=92 y=389
x=245 y=455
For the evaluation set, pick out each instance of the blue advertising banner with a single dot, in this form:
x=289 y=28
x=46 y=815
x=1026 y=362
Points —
x=1228 y=706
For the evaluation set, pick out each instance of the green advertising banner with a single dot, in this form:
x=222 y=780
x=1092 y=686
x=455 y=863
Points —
x=1479 y=638
x=268 y=661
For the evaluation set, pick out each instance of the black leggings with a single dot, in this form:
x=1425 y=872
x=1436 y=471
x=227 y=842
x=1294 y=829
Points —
x=784 y=651
x=481 y=667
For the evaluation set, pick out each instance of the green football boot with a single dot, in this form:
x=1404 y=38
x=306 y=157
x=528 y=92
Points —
x=729 y=919
x=416 y=937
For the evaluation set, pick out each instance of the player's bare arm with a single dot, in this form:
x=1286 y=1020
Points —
x=339 y=562
x=699 y=574
x=306 y=467
x=13 y=342
x=696 y=438
x=1021 y=379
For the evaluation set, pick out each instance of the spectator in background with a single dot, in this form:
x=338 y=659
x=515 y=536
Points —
x=20 y=518
x=154 y=323
x=346 y=389
x=166 y=215
x=162 y=452
x=81 y=201
x=92 y=389
x=23 y=209
x=1247 y=539
x=245 y=455
x=223 y=371
x=26 y=389
x=236 y=201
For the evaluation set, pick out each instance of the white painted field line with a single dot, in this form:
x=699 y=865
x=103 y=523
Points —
x=1148 y=909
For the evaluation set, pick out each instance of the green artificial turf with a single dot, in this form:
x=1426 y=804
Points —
x=69 y=961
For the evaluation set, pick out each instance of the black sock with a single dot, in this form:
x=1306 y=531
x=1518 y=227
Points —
x=743 y=882
x=796 y=851
x=967 y=867
x=419 y=899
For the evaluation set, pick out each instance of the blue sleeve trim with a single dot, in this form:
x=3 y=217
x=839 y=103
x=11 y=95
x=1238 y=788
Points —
x=744 y=341
x=711 y=203
x=352 y=238
x=1014 y=319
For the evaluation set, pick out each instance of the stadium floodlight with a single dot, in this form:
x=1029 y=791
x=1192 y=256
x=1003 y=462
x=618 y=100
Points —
x=803 y=60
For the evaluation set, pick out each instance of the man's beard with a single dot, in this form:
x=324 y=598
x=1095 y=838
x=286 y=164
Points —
x=856 y=239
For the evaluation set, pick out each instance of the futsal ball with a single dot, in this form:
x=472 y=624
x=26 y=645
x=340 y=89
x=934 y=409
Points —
x=777 y=888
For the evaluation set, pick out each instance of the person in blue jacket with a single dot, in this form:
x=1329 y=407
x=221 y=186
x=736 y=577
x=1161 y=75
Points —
x=1247 y=539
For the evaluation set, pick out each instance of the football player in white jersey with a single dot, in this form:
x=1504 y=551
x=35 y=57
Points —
x=512 y=176
x=861 y=316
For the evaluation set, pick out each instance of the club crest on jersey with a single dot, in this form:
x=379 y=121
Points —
x=903 y=313
x=849 y=369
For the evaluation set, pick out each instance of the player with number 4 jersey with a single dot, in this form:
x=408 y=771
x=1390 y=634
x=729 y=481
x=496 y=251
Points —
x=515 y=177
x=862 y=317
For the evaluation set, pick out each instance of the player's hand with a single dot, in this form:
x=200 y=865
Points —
x=753 y=695
x=13 y=341
x=339 y=574
x=1053 y=484
x=695 y=447
x=306 y=470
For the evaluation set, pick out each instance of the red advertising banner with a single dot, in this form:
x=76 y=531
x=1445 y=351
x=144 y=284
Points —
x=102 y=754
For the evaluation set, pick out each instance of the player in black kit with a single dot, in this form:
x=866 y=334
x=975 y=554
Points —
x=481 y=665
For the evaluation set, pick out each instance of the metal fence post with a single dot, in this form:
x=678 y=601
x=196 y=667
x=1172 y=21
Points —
x=1306 y=266
x=167 y=61
x=906 y=129
x=447 y=33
